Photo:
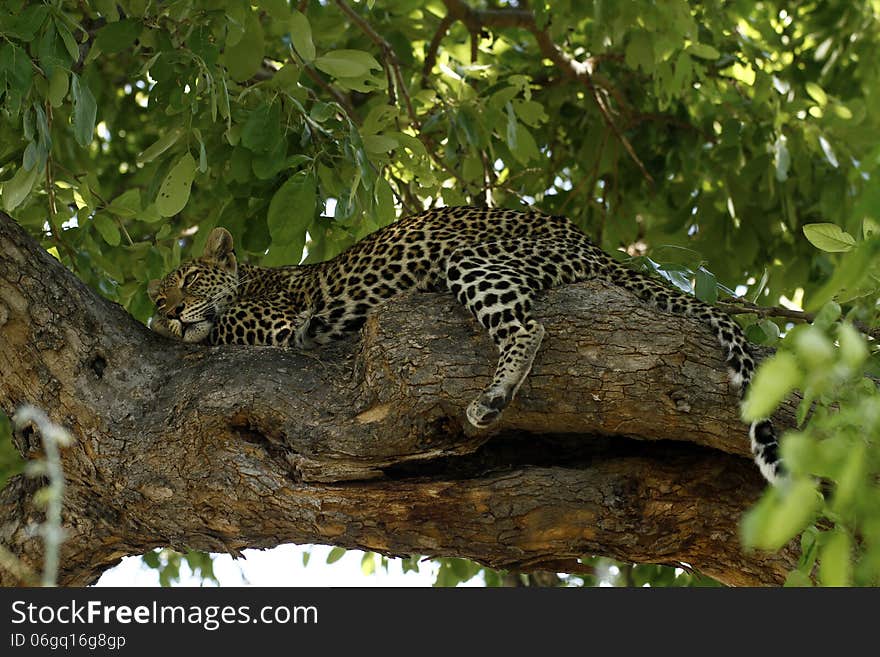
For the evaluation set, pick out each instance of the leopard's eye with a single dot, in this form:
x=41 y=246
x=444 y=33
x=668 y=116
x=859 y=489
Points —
x=189 y=279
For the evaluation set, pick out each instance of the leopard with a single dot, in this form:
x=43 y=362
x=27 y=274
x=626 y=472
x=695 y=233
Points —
x=494 y=261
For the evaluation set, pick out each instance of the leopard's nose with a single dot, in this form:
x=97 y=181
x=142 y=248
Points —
x=174 y=313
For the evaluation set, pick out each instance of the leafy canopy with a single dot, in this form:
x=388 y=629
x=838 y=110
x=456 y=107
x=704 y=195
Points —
x=735 y=143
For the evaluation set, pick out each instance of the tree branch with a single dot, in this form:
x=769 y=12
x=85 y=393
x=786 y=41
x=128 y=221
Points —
x=624 y=441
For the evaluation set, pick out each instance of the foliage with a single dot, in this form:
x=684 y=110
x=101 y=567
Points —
x=721 y=142
x=835 y=452
x=168 y=562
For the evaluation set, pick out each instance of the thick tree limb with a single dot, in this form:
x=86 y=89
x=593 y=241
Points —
x=363 y=444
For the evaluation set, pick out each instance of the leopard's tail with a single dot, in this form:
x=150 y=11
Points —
x=740 y=363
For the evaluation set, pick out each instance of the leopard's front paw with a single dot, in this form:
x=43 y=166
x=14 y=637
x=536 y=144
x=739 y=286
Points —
x=307 y=335
x=486 y=409
x=197 y=331
x=170 y=328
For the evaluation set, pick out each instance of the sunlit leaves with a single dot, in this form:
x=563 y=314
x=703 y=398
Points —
x=347 y=63
x=781 y=515
x=776 y=377
x=829 y=237
x=703 y=51
x=335 y=555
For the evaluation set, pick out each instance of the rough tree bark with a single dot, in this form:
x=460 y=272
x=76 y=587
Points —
x=624 y=441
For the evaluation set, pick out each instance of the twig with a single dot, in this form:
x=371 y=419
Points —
x=434 y=46
x=743 y=307
x=388 y=54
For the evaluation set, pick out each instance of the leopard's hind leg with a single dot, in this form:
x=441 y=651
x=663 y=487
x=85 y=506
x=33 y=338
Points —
x=499 y=295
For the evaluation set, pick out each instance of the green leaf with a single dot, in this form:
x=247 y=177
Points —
x=797 y=579
x=69 y=42
x=347 y=63
x=262 y=131
x=703 y=51
x=107 y=228
x=640 y=51
x=115 y=37
x=175 y=188
x=151 y=559
x=335 y=555
x=368 y=563
x=25 y=25
x=829 y=314
x=58 y=86
x=301 y=35
x=817 y=93
x=853 y=347
x=780 y=515
x=384 y=197
x=776 y=377
x=853 y=269
x=530 y=112
x=362 y=83
x=379 y=144
x=162 y=144
x=835 y=568
x=126 y=205
x=526 y=148
x=829 y=237
x=85 y=111
x=268 y=165
x=18 y=187
x=245 y=58
x=291 y=211
x=705 y=286
x=770 y=329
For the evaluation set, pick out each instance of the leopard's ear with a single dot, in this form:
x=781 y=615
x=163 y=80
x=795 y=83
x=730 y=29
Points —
x=153 y=289
x=218 y=248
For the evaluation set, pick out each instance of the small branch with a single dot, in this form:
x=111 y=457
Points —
x=388 y=54
x=743 y=307
x=434 y=46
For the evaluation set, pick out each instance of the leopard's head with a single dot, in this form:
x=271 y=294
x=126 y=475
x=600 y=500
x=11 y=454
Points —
x=201 y=289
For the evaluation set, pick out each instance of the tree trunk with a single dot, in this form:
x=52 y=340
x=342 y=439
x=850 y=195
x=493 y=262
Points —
x=624 y=440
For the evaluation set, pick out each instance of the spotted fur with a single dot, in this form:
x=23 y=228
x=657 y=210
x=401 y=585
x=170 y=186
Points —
x=494 y=261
